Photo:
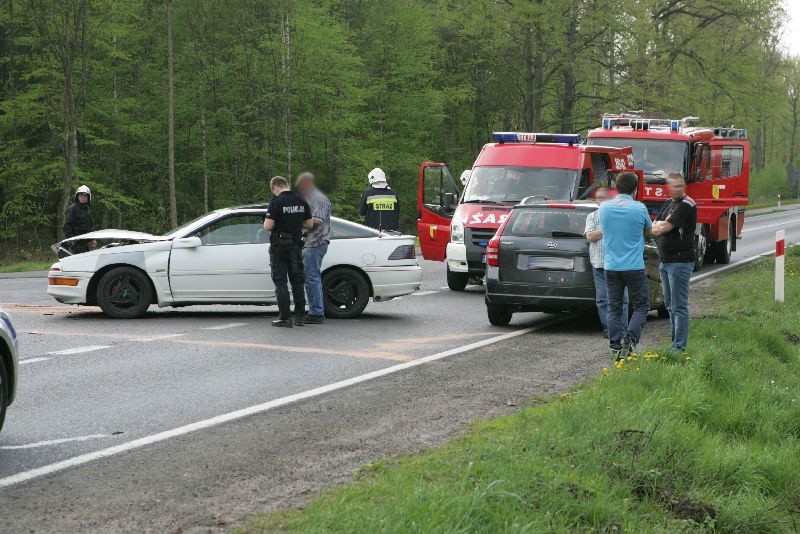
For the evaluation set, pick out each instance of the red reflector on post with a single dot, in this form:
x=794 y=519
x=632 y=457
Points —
x=780 y=248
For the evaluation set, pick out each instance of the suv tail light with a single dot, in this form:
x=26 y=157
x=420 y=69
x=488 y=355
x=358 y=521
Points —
x=493 y=252
x=404 y=252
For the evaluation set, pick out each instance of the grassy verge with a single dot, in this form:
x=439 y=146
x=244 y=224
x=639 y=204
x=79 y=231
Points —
x=708 y=440
x=26 y=266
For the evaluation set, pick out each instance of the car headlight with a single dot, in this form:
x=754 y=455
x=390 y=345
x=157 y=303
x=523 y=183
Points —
x=457 y=233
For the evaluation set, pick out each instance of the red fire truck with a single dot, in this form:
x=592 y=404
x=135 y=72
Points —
x=455 y=226
x=715 y=162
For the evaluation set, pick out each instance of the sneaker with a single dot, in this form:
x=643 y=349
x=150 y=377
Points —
x=299 y=321
x=619 y=354
x=315 y=319
x=283 y=323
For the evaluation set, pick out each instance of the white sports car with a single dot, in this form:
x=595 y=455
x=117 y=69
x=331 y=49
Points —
x=223 y=258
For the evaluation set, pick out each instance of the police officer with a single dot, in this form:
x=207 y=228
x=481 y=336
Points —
x=78 y=219
x=379 y=205
x=287 y=216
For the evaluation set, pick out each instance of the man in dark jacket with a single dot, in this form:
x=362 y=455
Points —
x=78 y=219
x=379 y=205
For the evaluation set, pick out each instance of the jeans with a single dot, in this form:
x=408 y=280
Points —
x=312 y=262
x=601 y=299
x=638 y=291
x=286 y=261
x=675 y=283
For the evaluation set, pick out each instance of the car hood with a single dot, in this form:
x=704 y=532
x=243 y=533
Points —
x=126 y=235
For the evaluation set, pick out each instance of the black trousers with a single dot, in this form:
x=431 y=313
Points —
x=286 y=261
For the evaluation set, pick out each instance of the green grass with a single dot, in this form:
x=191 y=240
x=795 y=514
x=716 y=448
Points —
x=26 y=266
x=709 y=440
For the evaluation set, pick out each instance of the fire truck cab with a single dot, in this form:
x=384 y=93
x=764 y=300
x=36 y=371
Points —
x=455 y=226
x=714 y=161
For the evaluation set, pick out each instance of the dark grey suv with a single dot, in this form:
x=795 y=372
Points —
x=539 y=261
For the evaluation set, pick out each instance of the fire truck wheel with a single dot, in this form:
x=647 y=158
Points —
x=723 y=249
x=701 y=248
x=457 y=281
x=498 y=315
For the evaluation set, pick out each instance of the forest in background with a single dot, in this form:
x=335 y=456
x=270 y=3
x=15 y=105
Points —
x=170 y=108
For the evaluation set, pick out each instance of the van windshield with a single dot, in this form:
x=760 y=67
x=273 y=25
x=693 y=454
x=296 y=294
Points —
x=512 y=184
x=656 y=157
x=547 y=222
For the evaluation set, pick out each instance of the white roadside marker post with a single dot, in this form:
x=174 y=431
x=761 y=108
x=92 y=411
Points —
x=780 y=249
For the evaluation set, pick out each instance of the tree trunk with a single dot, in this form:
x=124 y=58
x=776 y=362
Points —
x=68 y=36
x=173 y=207
x=287 y=72
x=205 y=157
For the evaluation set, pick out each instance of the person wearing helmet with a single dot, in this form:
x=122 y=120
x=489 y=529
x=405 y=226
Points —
x=465 y=177
x=379 y=205
x=78 y=219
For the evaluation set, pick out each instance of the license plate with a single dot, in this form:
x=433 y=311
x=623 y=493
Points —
x=483 y=258
x=551 y=263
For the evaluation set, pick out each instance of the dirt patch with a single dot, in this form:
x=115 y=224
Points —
x=792 y=339
x=681 y=506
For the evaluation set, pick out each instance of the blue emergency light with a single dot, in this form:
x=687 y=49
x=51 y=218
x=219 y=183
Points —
x=674 y=125
x=741 y=133
x=522 y=137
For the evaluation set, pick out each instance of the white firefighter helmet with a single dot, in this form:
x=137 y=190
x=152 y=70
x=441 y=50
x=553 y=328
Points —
x=84 y=190
x=465 y=176
x=377 y=177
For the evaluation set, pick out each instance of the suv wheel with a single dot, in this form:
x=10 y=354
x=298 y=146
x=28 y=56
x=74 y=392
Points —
x=124 y=293
x=499 y=315
x=457 y=281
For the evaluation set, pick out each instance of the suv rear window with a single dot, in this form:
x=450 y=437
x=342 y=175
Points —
x=547 y=222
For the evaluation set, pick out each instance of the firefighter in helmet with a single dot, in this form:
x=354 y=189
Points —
x=379 y=205
x=78 y=218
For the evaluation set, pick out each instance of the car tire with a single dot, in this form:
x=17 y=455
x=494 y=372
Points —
x=4 y=391
x=345 y=293
x=457 y=281
x=663 y=312
x=499 y=315
x=124 y=293
x=724 y=249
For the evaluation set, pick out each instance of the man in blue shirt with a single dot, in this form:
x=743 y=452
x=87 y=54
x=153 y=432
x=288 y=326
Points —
x=625 y=222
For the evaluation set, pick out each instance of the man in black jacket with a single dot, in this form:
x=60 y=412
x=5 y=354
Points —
x=379 y=205
x=78 y=219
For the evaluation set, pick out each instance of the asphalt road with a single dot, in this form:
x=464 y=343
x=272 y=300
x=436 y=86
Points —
x=88 y=383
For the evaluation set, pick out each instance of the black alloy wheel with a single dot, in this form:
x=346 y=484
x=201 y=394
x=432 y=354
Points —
x=124 y=293
x=345 y=292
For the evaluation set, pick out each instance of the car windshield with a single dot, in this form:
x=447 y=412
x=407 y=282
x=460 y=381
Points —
x=182 y=229
x=512 y=184
x=656 y=157
x=547 y=222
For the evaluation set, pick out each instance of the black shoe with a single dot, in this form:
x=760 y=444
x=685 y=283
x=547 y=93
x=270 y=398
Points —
x=299 y=321
x=605 y=333
x=315 y=319
x=283 y=323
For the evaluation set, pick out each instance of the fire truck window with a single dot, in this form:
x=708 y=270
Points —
x=512 y=184
x=732 y=157
x=433 y=186
x=584 y=182
x=600 y=165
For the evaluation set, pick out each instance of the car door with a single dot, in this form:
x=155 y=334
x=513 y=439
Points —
x=437 y=198
x=226 y=260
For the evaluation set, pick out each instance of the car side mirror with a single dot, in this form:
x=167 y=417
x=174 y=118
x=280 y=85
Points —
x=449 y=201
x=187 y=242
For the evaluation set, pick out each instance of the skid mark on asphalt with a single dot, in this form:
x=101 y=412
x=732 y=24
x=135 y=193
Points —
x=79 y=350
x=51 y=442
x=34 y=308
x=417 y=342
x=304 y=350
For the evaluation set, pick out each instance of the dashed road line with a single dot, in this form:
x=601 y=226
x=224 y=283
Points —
x=79 y=350
x=82 y=459
x=224 y=326
x=423 y=293
x=32 y=360
x=157 y=338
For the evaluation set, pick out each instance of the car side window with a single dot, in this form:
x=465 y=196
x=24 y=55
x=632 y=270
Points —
x=234 y=230
x=346 y=230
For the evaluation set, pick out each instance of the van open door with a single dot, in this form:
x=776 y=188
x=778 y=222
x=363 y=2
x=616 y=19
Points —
x=437 y=198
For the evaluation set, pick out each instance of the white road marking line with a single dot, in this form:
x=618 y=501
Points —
x=80 y=350
x=158 y=338
x=224 y=326
x=32 y=360
x=75 y=461
x=53 y=442
x=739 y=263
x=773 y=225
x=423 y=293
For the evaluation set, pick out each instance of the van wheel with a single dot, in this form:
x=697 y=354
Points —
x=498 y=315
x=345 y=293
x=4 y=391
x=724 y=249
x=124 y=293
x=457 y=281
